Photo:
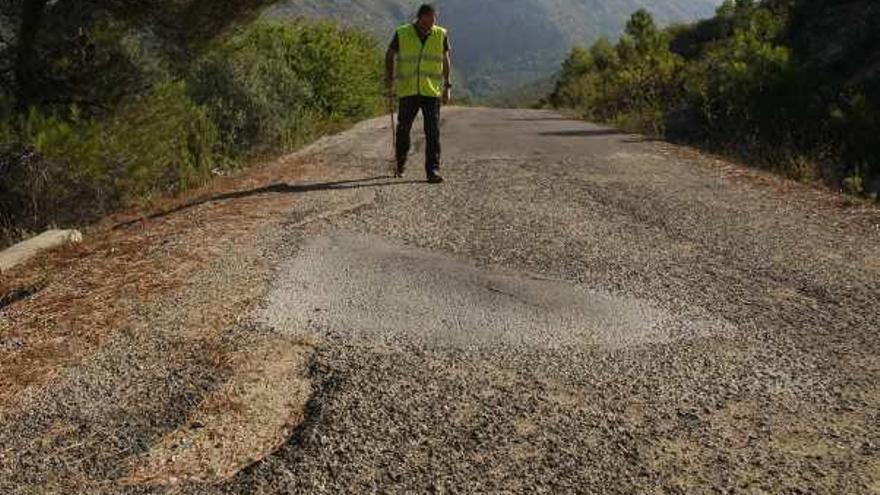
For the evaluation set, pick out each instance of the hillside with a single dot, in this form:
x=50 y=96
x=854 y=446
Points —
x=105 y=104
x=500 y=44
x=791 y=86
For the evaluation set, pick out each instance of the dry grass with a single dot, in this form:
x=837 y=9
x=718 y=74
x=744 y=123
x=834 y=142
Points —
x=102 y=296
x=812 y=194
x=91 y=289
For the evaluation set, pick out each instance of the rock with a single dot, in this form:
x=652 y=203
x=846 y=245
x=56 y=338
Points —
x=26 y=250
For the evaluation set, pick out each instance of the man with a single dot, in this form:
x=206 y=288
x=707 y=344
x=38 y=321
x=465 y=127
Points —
x=423 y=63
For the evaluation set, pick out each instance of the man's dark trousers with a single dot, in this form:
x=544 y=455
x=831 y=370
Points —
x=409 y=108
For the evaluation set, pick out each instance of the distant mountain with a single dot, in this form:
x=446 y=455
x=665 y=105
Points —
x=501 y=44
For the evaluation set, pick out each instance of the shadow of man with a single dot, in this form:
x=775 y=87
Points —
x=278 y=188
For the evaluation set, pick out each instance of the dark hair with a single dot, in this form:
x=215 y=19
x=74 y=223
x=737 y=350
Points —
x=426 y=8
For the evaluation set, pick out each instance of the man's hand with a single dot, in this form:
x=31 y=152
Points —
x=447 y=95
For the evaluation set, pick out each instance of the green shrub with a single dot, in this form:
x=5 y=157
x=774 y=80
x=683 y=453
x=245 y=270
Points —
x=49 y=162
x=760 y=80
x=145 y=132
x=629 y=84
x=66 y=169
x=157 y=143
x=741 y=76
x=275 y=85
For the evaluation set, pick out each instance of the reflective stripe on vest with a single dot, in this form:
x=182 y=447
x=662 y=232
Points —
x=420 y=66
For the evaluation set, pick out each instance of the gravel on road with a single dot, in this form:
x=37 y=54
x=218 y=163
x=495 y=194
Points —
x=576 y=310
x=580 y=310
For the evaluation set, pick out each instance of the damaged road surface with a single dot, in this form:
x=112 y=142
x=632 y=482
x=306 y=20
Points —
x=575 y=310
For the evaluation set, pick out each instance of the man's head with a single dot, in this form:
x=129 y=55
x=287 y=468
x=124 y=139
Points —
x=427 y=16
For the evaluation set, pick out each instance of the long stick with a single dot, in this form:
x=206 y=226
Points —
x=393 y=137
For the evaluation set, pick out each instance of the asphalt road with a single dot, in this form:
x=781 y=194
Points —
x=576 y=310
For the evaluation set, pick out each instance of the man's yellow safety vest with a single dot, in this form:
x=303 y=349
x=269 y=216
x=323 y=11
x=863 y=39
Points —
x=420 y=66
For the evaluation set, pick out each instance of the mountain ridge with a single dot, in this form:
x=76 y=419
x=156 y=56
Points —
x=502 y=44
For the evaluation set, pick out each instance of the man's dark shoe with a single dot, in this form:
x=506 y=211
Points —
x=400 y=169
x=435 y=178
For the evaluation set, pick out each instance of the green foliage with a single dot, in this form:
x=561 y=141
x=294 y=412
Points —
x=128 y=127
x=274 y=84
x=628 y=83
x=65 y=169
x=80 y=52
x=159 y=142
x=739 y=75
x=752 y=80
